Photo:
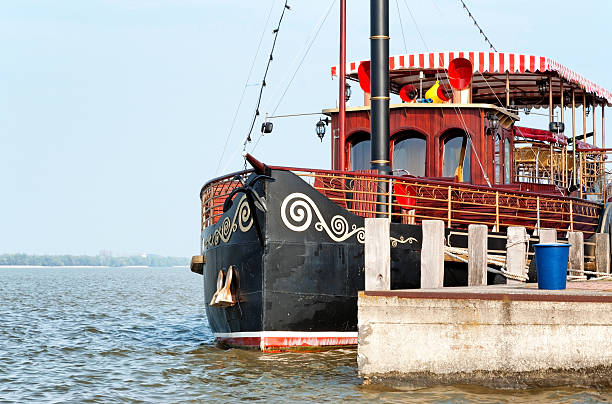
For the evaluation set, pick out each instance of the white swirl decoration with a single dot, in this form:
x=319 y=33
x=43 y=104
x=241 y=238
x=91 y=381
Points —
x=300 y=209
x=242 y=219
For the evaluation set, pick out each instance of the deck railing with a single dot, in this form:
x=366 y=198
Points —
x=411 y=200
x=594 y=173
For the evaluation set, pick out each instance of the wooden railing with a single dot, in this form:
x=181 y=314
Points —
x=214 y=193
x=594 y=173
x=411 y=200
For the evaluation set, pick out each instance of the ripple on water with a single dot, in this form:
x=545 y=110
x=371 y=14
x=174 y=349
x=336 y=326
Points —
x=77 y=335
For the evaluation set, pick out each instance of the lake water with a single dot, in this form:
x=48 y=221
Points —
x=140 y=334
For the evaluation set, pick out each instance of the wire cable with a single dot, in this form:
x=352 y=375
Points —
x=246 y=84
x=309 y=46
x=478 y=26
x=399 y=14
x=263 y=81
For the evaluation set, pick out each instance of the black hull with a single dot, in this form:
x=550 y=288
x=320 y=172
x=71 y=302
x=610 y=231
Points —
x=300 y=273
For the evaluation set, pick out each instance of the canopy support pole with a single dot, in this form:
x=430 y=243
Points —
x=507 y=89
x=574 y=133
x=550 y=100
x=584 y=128
x=564 y=152
x=594 y=122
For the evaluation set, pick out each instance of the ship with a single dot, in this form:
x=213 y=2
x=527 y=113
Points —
x=282 y=248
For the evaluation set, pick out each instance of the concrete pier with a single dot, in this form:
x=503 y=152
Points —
x=501 y=336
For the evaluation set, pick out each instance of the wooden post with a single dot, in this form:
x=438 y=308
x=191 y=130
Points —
x=574 y=134
x=507 y=89
x=594 y=123
x=571 y=212
x=603 y=146
x=450 y=206
x=603 y=127
x=550 y=100
x=496 y=210
x=377 y=254
x=538 y=214
x=584 y=123
x=548 y=235
x=432 y=254
x=576 y=252
x=602 y=252
x=562 y=100
x=516 y=252
x=477 y=254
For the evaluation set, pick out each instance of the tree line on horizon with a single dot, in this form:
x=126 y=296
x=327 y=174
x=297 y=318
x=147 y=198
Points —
x=90 y=260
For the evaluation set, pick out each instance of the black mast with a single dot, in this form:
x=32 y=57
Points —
x=379 y=123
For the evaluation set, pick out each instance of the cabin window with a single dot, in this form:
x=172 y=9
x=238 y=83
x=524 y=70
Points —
x=456 y=154
x=507 y=167
x=360 y=152
x=409 y=156
x=497 y=159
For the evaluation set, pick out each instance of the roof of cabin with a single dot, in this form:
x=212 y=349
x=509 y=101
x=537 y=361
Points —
x=489 y=80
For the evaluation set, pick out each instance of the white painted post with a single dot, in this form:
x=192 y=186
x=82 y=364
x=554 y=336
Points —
x=548 y=236
x=477 y=254
x=602 y=252
x=377 y=254
x=432 y=254
x=516 y=249
x=576 y=252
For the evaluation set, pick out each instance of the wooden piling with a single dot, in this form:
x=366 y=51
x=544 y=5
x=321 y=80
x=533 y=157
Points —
x=377 y=254
x=548 y=236
x=516 y=252
x=432 y=254
x=602 y=252
x=477 y=254
x=576 y=252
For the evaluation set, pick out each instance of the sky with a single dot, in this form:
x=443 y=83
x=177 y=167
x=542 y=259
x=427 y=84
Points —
x=114 y=113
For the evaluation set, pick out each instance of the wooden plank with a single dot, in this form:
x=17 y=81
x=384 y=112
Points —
x=432 y=254
x=477 y=254
x=576 y=252
x=377 y=254
x=602 y=252
x=516 y=250
x=548 y=236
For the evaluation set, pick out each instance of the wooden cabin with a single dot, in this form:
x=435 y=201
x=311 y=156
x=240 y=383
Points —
x=477 y=141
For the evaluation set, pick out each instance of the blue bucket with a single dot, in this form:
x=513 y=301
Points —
x=551 y=265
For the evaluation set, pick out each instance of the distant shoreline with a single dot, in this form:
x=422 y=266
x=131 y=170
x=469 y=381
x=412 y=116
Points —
x=91 y=266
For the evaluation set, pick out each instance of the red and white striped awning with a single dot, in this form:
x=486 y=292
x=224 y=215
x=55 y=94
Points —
x=490 y=63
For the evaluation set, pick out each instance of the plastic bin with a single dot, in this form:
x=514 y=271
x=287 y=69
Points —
x=551 y=265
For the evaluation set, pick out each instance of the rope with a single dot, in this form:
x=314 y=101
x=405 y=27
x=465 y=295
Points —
x=309 y=45
x=478 y=26
x=492 y=259
x=263 y=81
x=246 y=84
x=456 y=109
x=399 y=14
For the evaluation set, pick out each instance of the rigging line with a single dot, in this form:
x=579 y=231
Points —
x=263 y=82
x=416 y=25
x=493 y=92
x=322 y=22
x=457 y=110
x=305 y=54
x=246 y=84
x=478 y=26
x=399 y=14
x=294 y=62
